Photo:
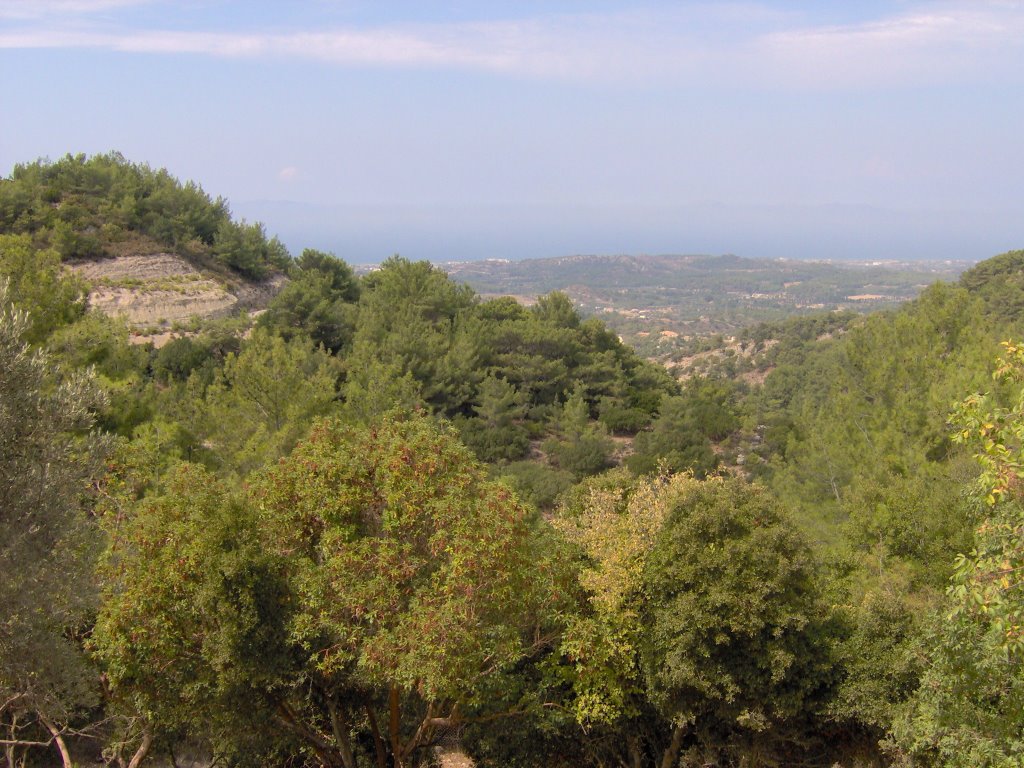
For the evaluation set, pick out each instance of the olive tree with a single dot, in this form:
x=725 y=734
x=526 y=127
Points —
x=47 y=542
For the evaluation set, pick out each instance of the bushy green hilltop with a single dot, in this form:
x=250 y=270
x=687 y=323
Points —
x=386 y=513
x=86 y=208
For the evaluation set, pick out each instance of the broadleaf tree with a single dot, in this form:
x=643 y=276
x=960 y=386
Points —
x=48 y=458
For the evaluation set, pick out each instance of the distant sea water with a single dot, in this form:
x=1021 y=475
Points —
x=363 y=234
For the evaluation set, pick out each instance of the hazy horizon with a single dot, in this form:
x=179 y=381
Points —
x=365 y=234
x=458 y=130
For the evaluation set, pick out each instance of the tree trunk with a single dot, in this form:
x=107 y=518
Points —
x=425 y=728
x=340 y=727
x=9 y=747
x=635 y=758
x=58 y=739
x=394 y=726
x=378 y=742
x=324 y=750
x=671 y=756
x=143 y=749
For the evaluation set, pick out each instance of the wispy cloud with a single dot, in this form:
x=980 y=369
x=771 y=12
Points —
x=564 y=47
x=934 y=42
x=41 y=9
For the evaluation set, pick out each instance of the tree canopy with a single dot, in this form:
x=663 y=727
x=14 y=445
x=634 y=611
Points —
x=48 y=459
x=389 y=512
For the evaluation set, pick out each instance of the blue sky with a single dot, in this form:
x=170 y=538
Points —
x=459 y=130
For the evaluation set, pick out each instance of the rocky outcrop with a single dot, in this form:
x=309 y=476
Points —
x=157 y=291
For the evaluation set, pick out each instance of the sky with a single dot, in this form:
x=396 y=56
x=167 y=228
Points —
x=458 y=130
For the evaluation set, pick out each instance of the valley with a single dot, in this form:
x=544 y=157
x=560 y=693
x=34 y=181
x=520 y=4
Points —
x=393 y=512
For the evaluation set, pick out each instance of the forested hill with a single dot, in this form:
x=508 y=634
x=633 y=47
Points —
x=605 y=275
x=100 y=206
x=871 y=396
x=654 y=301
x=387 y=511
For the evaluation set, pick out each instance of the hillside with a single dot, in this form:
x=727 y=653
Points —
x=160 y=252
x=155 y=251
x=389 y=514
x=658 y=303
x=160 y=293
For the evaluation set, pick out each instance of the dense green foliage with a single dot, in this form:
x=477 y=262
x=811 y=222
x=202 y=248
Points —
x=387 y=510
x=46 y=541
x=319 y=302
x=85 y=208
x=373 y=571
x=968 y=710
x=731 y=601
x=687 y=425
